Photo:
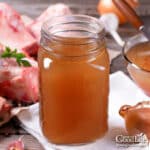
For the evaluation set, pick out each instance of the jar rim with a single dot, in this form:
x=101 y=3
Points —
x=96 y=28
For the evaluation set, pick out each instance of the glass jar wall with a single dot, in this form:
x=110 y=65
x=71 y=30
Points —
x=74 y=80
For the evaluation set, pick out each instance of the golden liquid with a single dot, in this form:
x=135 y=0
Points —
x=74 y=96
x=140 y=55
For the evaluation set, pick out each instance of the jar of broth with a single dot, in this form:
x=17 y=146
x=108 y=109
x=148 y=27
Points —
x=74 y=80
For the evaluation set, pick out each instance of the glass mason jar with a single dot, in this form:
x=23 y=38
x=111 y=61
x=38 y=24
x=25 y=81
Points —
x=74 y=80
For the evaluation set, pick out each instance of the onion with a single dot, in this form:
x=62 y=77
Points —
x=107 y=6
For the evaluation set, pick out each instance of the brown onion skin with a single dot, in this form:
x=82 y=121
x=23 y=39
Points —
x=109 y=7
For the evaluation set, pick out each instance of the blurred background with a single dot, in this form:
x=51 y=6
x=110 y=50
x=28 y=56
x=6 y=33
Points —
x=34 y=7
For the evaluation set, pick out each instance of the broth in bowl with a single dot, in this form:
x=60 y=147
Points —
x=139 y=65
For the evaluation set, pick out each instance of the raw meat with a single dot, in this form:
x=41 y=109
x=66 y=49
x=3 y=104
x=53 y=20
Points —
x=19 y=83
x=13 y=32
x=52 y=11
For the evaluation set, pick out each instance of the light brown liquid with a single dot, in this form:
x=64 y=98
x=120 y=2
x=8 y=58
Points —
x=74 y=96
x=140 y=55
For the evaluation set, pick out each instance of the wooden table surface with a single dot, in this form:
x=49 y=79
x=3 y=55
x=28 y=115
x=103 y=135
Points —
x=13 y=130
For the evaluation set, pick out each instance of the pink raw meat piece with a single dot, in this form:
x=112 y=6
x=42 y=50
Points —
x=13 y=32
x=19 y=83
x=51 y=11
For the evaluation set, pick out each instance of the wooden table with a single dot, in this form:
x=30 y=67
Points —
x=12 y=130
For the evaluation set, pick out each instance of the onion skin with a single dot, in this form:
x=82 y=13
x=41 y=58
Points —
x=107 y=6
